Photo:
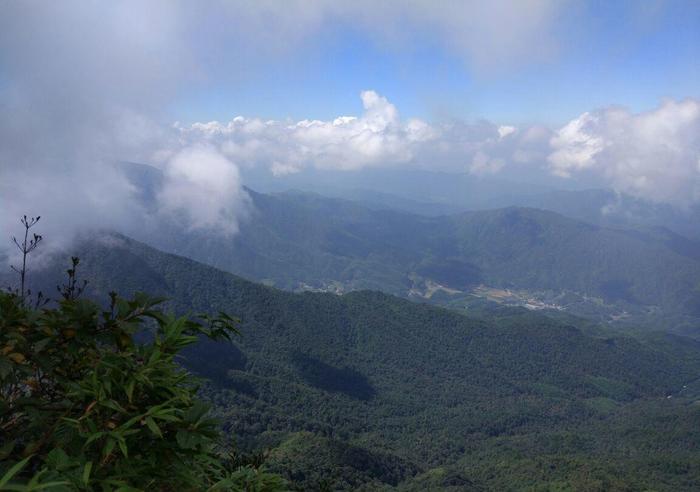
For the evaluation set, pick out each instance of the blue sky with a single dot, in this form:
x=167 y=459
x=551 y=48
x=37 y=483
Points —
x=606 y=53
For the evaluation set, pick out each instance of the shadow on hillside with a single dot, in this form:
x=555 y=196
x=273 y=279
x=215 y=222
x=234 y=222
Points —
x=617 y=290
x=451 y=272
x=214 y=361
x=335 y=380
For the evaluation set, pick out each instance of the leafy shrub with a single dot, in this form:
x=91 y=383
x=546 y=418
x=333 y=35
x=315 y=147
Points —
x=84 y=406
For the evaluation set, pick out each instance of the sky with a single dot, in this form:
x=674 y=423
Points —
x=601 y=93
x=601 y=53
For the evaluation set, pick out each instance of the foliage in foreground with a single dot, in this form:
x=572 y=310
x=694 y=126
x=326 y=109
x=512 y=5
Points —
x=84 y=406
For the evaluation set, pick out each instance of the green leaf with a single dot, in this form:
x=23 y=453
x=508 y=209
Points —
x=130 y=390
x=48 y=485
x=155 y=356
x=41 y=344
x=122 y=447
x=153 y=426
x=225 y=484
x=126 y=488
x=113 y=405
x=108 y=447
x=93 y=437
x=13 y=471
x=196 y=412
x=58 y=459
x=86 y=472
x=186 y=440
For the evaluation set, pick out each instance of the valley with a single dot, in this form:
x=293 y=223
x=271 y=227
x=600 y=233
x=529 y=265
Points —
x=373 y=392
x=408 y=352
x=636 y=278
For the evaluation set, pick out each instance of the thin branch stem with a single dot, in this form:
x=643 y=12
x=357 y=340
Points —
x=25 y=247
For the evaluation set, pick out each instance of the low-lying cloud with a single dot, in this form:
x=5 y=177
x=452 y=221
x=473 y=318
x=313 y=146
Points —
x=378 y=137
x=202 y=189
x=653 y=155
x=85 y=85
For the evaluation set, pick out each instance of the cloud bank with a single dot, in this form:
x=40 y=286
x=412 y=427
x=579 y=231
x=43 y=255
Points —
x=200 y=190
x=85 y=85
x=376 y=138
x=653 y=155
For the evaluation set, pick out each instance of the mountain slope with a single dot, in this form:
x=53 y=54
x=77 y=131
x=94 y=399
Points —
x=305 y=241
x=530 y=247
x=391 y=388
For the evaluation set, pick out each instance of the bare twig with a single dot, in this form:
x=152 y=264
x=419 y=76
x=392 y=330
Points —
x=25 y=247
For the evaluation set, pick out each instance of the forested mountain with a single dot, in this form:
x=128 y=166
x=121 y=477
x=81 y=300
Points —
x=371 y=391
x=440 y=193
x=301 y=241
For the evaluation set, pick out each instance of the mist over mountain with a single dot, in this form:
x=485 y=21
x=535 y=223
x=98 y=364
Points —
x=302 y=241
x=441 y=193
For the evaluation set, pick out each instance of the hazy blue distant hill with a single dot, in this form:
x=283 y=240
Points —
x=439 y=193
x=297 y=240
x=535 y=248
x=629 y=276
x=457 y=191
x=608 y=208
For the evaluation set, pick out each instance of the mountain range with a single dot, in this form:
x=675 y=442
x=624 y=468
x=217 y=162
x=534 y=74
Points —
x=382 y=349
x=305 y=241
x=373 y=392
x=431 y=193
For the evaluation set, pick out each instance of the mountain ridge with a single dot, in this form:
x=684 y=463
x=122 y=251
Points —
x=413 y=385
x=307 y=241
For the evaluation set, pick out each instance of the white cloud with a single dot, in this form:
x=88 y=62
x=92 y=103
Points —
x=80 y=86
x=493 y=36
x=85 y=84
x=487 y=148
x=653 y=155
x=505 y=130
x=576 y=145
x=483 y=164
x=376 y=138
x=203 y=189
